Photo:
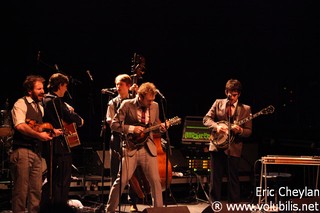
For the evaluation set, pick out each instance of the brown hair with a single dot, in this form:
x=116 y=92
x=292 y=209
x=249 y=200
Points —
x=124 y=78
x=29 y=82
x=233 y=85
x=147 y=87
x=55 y=80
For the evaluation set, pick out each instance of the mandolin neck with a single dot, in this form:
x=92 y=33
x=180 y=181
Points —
x=151 y=128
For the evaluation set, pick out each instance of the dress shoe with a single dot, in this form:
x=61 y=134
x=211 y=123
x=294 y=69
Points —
x=133 y=208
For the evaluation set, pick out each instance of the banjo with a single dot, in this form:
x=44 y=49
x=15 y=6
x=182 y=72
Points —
x=220 y=140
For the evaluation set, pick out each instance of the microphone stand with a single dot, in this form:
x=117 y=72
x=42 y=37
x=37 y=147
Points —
x=229 y=142
x=121 y=144
x=168 y=150
x=103 y=136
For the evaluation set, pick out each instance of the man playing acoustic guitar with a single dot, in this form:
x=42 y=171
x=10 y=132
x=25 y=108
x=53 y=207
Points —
x=131 y=119
x=226 y=145
x=59 y=156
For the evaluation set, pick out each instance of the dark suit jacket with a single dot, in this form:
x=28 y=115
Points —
x=217 y=113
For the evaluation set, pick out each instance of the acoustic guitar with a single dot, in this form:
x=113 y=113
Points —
x=71 y=134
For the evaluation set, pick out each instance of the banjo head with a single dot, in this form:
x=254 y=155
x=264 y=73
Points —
x=221 y=140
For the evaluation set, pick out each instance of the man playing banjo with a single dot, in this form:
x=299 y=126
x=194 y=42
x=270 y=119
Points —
x=226 y=140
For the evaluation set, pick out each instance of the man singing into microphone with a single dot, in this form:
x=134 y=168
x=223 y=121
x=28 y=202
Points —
x=225 y=161
x=123 y=87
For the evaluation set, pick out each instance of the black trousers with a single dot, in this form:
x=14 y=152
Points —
x=224 y=165
x=61 y=179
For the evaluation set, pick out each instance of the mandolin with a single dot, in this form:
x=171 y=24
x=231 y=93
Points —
x=137 y=140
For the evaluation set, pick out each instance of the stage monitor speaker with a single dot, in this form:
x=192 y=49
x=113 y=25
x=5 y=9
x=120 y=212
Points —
x=175 y=209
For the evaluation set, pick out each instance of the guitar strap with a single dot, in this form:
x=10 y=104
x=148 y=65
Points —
x=64 y=143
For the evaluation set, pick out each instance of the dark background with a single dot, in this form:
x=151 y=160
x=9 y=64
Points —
x=191 y=49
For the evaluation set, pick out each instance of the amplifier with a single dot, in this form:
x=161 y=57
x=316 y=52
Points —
x=198 y=159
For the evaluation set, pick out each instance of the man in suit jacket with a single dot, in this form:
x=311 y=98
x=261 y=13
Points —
x=225 y=151
x=131 y=119
x=59 y=156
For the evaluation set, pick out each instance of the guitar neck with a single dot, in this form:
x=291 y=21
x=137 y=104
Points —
x=249 y=118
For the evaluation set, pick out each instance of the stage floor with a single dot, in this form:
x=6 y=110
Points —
x=184 y=191
x=196 y=207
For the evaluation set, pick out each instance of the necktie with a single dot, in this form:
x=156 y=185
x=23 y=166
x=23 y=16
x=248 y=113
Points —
x=229 y=109
x=143 y=116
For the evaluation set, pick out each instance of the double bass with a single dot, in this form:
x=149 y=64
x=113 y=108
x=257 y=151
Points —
x=162 y=159
x=138 y=69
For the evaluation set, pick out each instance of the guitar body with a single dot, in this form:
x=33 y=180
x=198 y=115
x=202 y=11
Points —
x=71 y=134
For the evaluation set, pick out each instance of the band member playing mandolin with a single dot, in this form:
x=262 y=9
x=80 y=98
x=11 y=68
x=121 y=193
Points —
x=227 y=140
x=58 y=156
x=25 y=159
x=132 y=118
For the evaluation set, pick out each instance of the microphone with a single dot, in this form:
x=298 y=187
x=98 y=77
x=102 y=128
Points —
x=89 y=74
x=38 y=56
x=111 y=91
x=57 y=68
x=162 y=96
x=68 y=93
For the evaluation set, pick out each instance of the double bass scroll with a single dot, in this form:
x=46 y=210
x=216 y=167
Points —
x=138 y=69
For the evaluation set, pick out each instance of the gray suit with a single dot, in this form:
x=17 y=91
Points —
x=146 y=156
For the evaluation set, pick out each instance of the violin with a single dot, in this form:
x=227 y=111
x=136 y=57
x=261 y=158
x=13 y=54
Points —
x=44 y=127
